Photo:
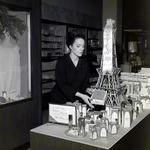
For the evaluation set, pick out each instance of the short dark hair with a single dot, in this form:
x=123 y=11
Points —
x=72 y=36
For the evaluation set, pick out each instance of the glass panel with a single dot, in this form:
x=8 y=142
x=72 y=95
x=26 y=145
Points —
x=15 y=59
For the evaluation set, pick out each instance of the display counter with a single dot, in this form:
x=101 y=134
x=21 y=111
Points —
x=52 y=136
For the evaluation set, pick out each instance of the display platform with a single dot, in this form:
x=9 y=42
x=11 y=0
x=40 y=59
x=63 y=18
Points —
x=53 y=137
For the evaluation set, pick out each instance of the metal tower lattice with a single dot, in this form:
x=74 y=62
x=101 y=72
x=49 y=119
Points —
x=108 y=79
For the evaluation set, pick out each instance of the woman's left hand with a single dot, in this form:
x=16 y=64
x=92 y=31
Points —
x=86 y=99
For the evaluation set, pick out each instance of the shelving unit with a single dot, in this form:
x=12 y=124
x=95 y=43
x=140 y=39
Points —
x=94 y=41
x=94 y=52
x=143 y=47
x=52 y=48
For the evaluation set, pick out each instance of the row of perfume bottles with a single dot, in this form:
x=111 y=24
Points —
x=51 y=31
x=48 y=53
x=49 y=65
x=51 y=45
x=98 y=128
x=51 y=39
x=94 y=43
x=48 y=75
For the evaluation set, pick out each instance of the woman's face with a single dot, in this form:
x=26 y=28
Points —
x=77 y=47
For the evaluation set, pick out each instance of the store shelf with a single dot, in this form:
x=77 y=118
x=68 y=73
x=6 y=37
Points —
x=50 y=58
x=94 y=41
x=52 y=48
x=48 y=70
x=48 y=80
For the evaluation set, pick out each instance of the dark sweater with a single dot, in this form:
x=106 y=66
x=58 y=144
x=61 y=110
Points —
x=69 y=80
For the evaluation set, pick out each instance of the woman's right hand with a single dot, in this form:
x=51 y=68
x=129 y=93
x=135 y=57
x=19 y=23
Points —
x=90 y=90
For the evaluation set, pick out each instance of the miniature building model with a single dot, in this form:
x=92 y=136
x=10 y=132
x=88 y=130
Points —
x=126 y=117
x=103 y=131
x=112 y=128
x=108 y=79
x=146 y=103
x=134 y=114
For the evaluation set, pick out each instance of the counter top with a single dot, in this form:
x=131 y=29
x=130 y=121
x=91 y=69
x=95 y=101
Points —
x=58 y=131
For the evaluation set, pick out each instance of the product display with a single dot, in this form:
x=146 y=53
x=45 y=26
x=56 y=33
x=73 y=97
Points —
x=123 y=101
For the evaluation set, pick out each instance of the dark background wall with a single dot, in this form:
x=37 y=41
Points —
x=136 y=14
x=90 y=7
x=87 y=13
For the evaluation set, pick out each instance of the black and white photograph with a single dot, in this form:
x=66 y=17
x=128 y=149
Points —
x=74 y=75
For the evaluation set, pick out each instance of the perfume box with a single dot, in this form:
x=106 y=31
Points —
x=99 y=97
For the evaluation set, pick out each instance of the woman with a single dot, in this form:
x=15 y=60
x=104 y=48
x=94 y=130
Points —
x=72 y=73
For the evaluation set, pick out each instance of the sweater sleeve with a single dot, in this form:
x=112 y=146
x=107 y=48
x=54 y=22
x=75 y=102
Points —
x=60 y=73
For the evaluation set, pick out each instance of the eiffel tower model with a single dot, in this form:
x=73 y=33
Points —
x=108 y=79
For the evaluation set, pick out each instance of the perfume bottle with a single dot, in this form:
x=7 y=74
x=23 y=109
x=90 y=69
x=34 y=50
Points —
x=87 y=122
x=91 y=125
x=70 y=122
x=81 y=125
x=98 y=122
x=84 y=107
x=78 y=108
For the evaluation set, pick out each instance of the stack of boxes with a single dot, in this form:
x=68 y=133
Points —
x=138 y=86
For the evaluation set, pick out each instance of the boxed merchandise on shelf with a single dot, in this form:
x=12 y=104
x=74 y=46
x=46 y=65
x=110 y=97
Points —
x=141 y=86
x=47 y=87
x=49 y=65
x=48 y=75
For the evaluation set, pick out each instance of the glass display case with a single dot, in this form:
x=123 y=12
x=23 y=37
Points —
x=15 y=55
